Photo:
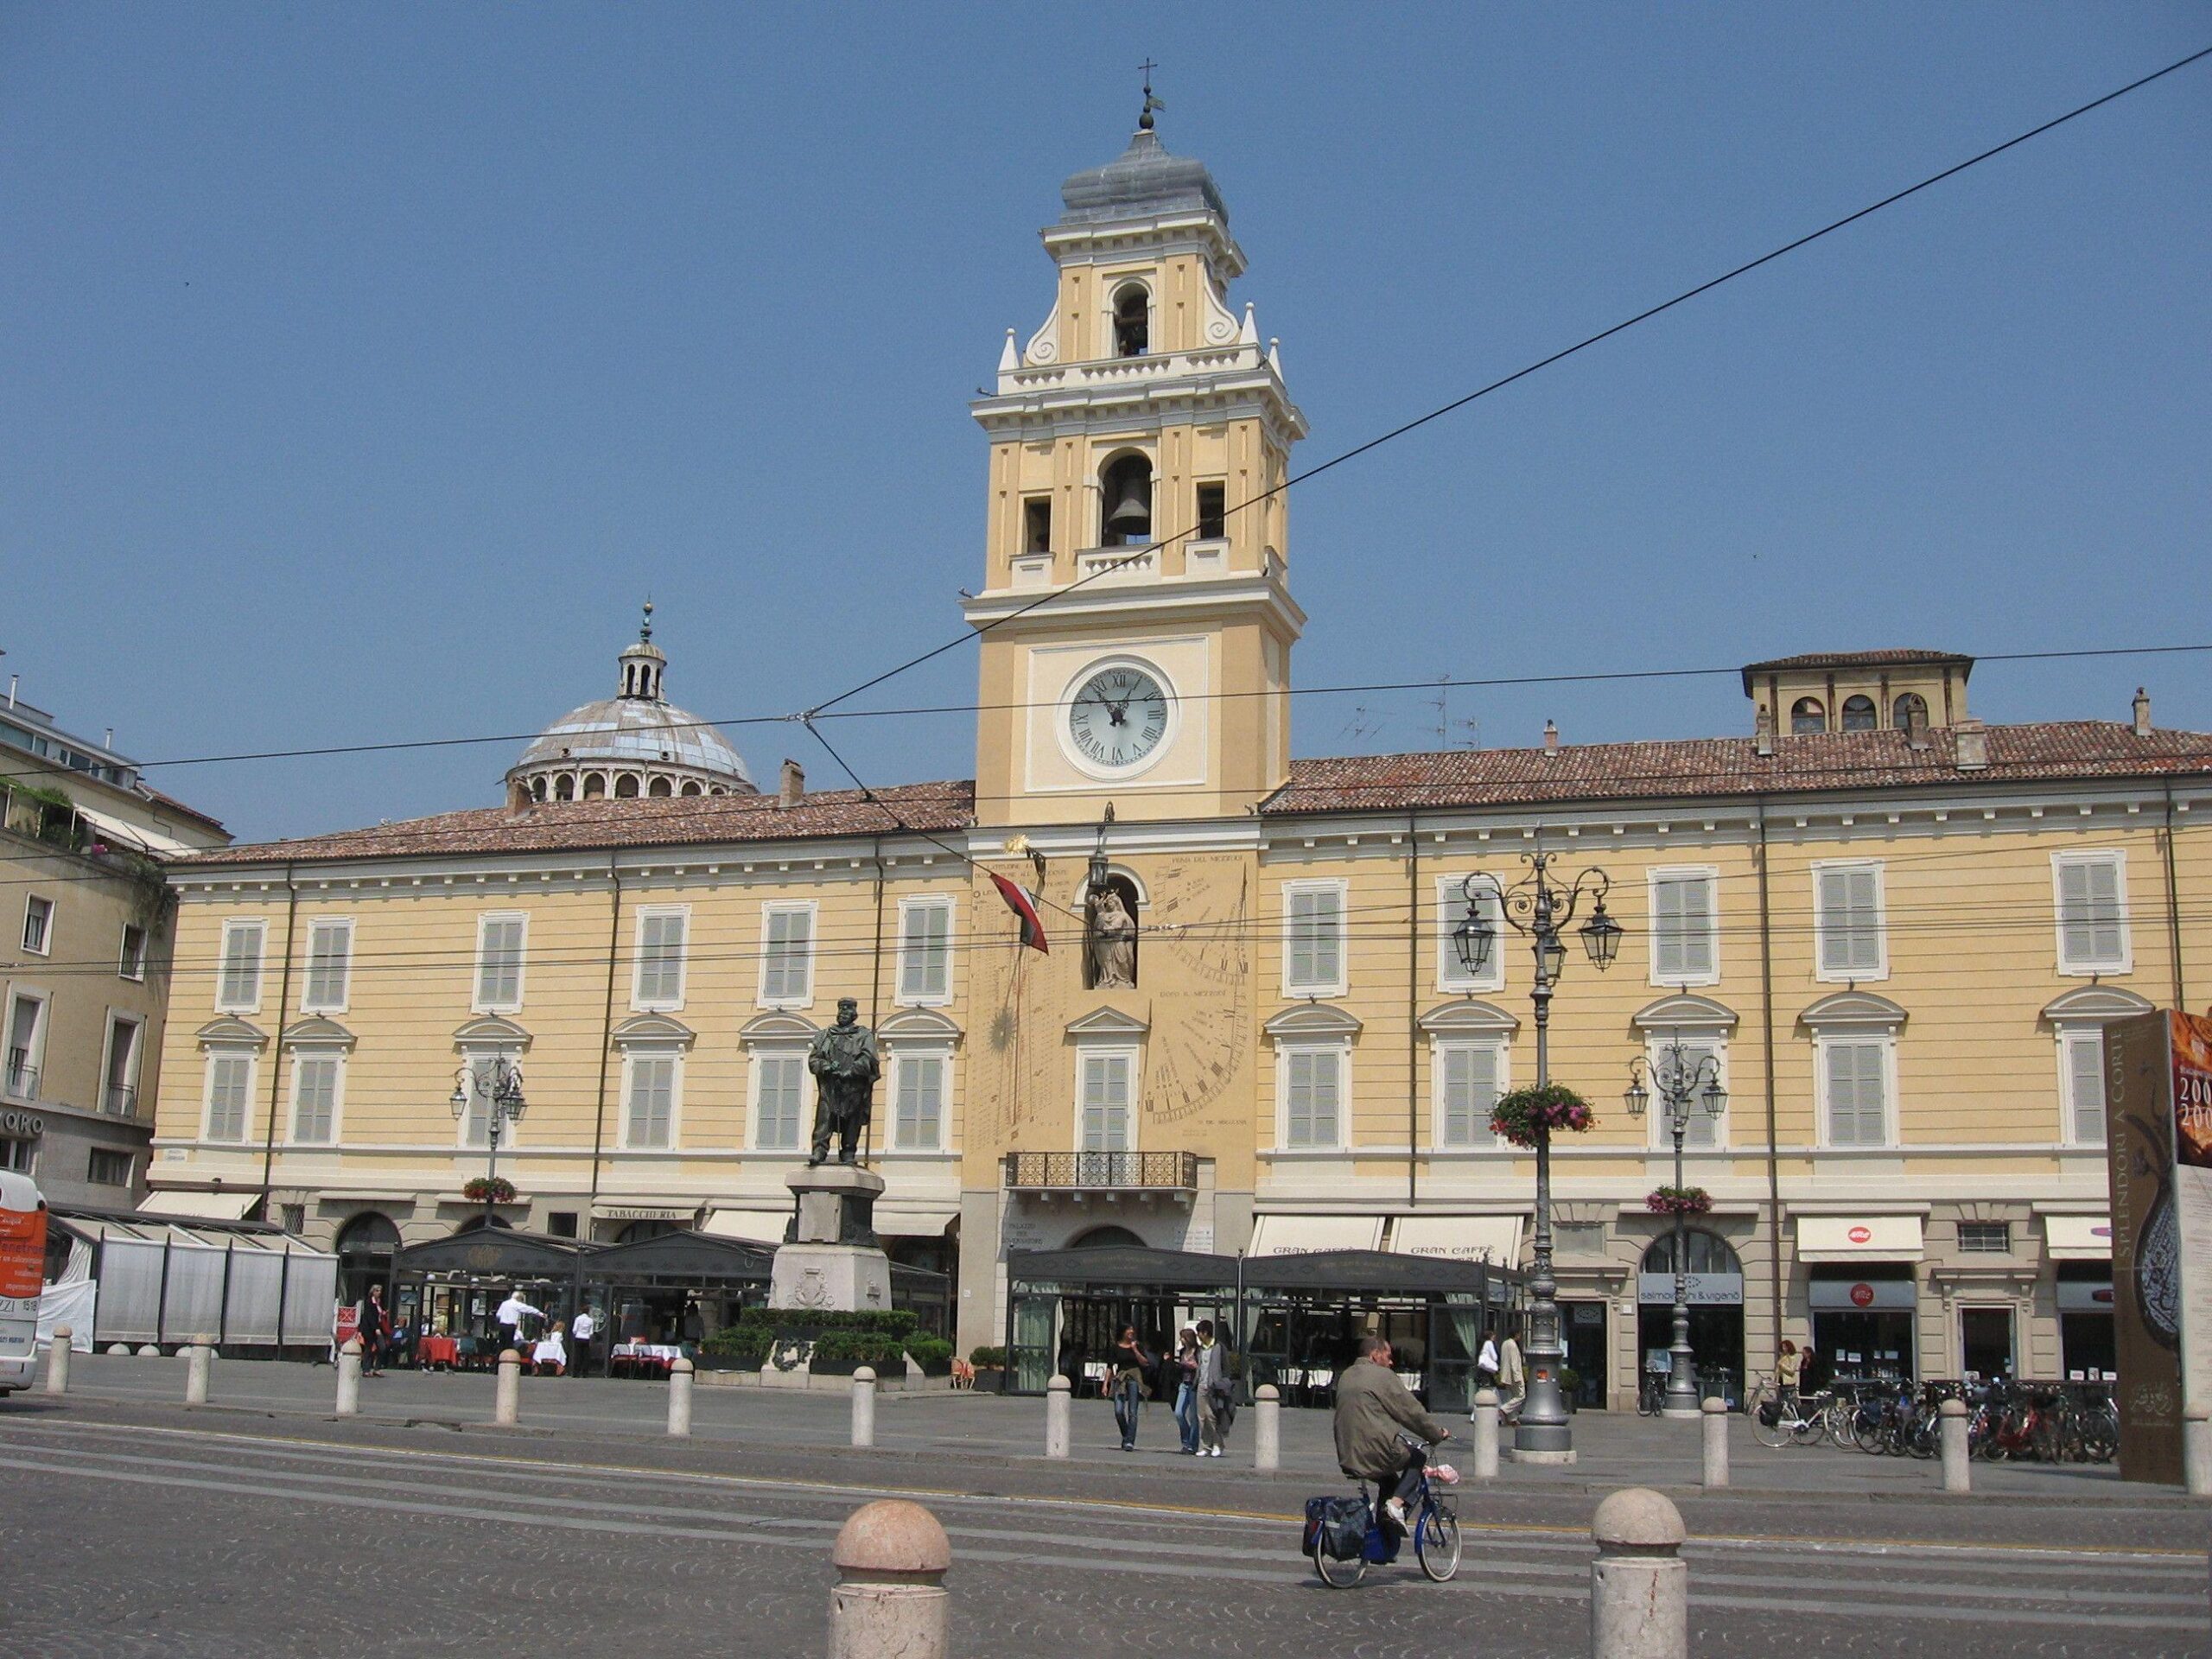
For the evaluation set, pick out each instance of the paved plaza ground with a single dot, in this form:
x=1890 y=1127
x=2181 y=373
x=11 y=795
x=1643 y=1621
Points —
x=131 y=1526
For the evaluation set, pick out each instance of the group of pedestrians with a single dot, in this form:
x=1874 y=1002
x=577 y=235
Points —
x=1205 y=1397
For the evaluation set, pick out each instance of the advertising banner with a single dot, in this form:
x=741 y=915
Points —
x=23 y=1261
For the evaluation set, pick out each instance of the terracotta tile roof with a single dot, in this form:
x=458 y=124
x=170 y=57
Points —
x=1703 y=767
x=170 y=803
x=607 y=825
x=1890 y=657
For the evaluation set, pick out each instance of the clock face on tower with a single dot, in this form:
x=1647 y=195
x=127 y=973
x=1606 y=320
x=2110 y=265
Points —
x=1118 y=716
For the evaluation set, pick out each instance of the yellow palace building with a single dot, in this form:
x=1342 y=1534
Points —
x=1897 y=931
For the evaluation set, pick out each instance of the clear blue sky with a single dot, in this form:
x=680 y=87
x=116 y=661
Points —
x=365 y=366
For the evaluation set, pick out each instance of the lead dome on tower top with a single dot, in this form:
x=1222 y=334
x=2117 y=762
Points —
x=1143 y=179
x=635 y=743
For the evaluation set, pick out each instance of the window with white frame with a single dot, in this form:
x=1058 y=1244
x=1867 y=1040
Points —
x=1313 y=938
x=918 y=1090
x=1855 y=1086
x=924 y=951
x=2092 y=897
x=229 y=1095
x=661 y=934
x=130 y=962
x=2081 y=1085
x=1105 y=1085
x=25 y=1040
x=330 y=965
x=650 y=1100
x=476 y=1114
x=1452 y=909
x=1469 y=1076
x=778 y=1098
x=1847 y=922
x=38 y=925
x=119 y=1069
x=1312 y=1081
x=1685 y=926
x=1704 y=1132
x=500 y=939
x=317 y=1079
x=238 y=982
x=787 y=956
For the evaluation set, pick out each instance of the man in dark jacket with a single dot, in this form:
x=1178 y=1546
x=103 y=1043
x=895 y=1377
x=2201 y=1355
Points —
x=1373 y=1409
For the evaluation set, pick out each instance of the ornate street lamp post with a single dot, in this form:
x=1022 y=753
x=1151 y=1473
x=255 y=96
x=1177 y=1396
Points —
x=498 y=1083
x=1538 y=907
x=1682 y=1082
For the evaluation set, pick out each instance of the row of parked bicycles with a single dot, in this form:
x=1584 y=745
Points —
x=2042 y=1423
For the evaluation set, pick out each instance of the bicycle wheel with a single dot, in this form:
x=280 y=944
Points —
x=1768 y=1426
x=1809 y=1431
x=1843 y=1424
x=1436 y=1544
x=1338 y=1575
x=1646 y=1399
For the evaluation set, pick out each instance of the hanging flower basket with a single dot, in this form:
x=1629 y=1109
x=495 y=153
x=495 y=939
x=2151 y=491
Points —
x=1519 y=1115
x=496 y=1190
x=1679 y=1201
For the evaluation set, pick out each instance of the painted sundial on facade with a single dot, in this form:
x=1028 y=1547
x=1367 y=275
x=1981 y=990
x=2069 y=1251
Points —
x=1197 y=941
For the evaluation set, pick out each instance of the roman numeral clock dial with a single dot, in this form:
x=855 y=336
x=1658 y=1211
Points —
x=1118 y=717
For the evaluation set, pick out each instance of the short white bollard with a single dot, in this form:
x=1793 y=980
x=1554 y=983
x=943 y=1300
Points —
x=1055 y=1417
x=1266 y=1427
x=118 y=1350
x=1951 y=1435
x=506 y=1399
x=349 y=1379
x=57 y=1360
x=149 y=1350
x=889 y=1597
x=679 y=1398
x=2197 y=1451
x=864 y=1406
x=198 y=1360
x=1639 y=1585
x=1716 y=1440
x=1485 y=1433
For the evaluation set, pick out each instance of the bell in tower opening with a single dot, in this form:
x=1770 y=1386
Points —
x=1126 y=493
x=1131 y=320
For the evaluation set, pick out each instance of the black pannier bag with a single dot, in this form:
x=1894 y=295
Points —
x=1337 y=1526
x=1770 y=1413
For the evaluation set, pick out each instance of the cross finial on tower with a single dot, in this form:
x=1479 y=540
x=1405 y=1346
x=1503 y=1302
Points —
x=646 y=632
x=1144 y=117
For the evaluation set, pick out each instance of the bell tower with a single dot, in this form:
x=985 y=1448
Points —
x=1136 y=613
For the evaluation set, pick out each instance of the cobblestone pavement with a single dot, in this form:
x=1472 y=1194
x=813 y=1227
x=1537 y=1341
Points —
x=132 y=1528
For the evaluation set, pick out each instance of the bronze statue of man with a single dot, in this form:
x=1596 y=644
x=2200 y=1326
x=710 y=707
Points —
x=845 y=1064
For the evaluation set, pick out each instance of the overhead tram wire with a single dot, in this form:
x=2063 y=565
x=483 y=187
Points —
x=826 y=709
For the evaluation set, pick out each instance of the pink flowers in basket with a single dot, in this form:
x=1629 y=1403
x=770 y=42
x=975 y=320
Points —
x=1679 y=1201
x=1525 y=1113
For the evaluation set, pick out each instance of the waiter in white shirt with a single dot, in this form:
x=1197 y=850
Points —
x=510 y=1317
x=580 y=1335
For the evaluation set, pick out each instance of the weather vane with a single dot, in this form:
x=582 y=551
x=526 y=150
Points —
x=1144 y=117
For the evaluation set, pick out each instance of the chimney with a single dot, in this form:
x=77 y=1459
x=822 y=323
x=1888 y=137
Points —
x=1763 y=732
x=792 y=790
x=1973 y=745
x=1551 y=737
x=2142 y=712
x=517 y=795
x=1916 y=728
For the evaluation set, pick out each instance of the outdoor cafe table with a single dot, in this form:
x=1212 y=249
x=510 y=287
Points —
x=437 y=1350
x=637 y=1357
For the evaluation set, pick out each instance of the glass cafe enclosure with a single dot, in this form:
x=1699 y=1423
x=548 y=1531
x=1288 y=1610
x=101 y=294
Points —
x=1291 y=1320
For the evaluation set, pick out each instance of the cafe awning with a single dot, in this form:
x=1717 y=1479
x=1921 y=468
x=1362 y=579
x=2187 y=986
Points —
x=2078 y=1238
x=1282 y=1235
x=207 y=1207
x=1858 y=1238
x=1495 y=1239
x=755 y=1226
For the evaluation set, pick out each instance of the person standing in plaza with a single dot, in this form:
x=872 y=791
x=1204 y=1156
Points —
x=1186 y=1393
x=374 y=1329
x=510 y=1316
x=580 y=1335
x=1130 y=1362
x=1486 y=1364
x=1512 y=1381
x=1211 y=1391
x=1788 y=1366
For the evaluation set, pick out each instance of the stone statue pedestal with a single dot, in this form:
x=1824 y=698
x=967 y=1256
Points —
x=829 y=1262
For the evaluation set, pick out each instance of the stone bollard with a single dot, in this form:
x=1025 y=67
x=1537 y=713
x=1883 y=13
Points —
x=889 y=1598
x=197 y=1359
x=2197 y=1451
x=1485 y=1433
x=1266 y=1427
x=679 y=1398
x=349 y=1379
x=506 y=1400
x=1716 y=1441
x=1055 y=1417
x=57 y=1360
x=149 y=1350
x=1951 y=1440
x=864 y=1406
x=1639 y=1585
x=118 y=1350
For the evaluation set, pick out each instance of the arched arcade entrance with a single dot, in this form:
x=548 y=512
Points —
x=1716 y=1299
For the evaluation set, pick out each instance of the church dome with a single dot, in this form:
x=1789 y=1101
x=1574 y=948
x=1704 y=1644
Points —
x=635 y=743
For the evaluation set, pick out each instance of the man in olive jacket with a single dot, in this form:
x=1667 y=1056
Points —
x=1373 y=1408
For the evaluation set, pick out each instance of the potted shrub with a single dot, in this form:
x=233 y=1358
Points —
x=1679 y=1201
x=932 y=1354
x=497 y=1189
x=990 y=1368
x=735 y=1348
x=1522 y=1115
x=839 y=1353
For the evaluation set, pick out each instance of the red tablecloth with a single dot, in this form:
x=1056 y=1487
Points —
x=437 y=1350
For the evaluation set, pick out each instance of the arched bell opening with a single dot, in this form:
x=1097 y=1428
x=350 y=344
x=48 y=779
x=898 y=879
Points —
x=1125 y=502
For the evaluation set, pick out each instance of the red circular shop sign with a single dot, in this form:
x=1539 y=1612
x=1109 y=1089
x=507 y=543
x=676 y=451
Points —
x=1862 y=1295
x=1861 y=1234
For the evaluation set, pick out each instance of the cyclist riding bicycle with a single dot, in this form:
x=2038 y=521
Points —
x=1374 y=1409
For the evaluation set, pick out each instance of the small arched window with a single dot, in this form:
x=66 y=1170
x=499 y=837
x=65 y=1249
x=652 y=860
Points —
x=564 y=789
x=661 y=786
x=1909 y=707
x=595 y=785
x=1860 y=714
x=1807 y=714
x=1707 y=1253
x=537 y=790
x=1125 y=502
x=626 y=786
x=690 y=786
x=1131 y=320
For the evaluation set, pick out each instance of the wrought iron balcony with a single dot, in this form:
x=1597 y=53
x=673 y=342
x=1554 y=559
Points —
x=1092 y=1171
x=21 y=1077
x=122 y=1099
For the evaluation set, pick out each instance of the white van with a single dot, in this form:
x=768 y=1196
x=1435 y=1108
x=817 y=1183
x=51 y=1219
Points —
x=22 y=1276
